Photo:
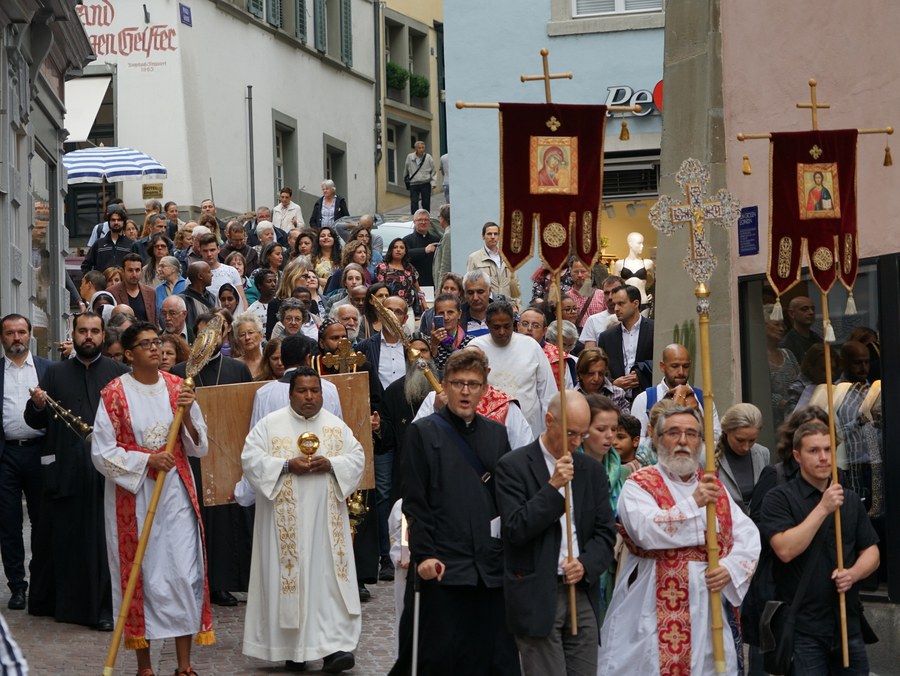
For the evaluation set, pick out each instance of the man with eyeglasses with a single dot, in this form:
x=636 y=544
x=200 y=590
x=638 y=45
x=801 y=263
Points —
x=538 y=568
x=533 y=323
x=447 y=487
x=659 y=620
x=174 y=317
x=129 y=448
x=112 y=248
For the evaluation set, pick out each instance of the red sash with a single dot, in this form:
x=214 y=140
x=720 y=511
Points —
x=673 y=610
x=126 y=519
x=494 y=404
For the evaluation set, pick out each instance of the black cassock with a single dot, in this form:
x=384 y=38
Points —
x=75 y=587
x=228 y=528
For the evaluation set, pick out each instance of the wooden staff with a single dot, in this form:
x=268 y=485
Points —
x=203 y=350
x=564 y=425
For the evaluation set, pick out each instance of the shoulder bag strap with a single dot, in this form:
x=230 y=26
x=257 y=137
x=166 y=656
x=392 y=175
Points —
x=584 y=308
x=466 y=451
x=412 y=176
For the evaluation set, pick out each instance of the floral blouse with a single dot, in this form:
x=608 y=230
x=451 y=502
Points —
x=403 y=283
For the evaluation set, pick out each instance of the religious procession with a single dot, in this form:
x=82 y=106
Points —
x=289 y=436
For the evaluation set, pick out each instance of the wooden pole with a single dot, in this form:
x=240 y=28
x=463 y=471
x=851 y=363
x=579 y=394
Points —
x=829 y=389
x=563 y=423
x=142 y=544
x=712 y=543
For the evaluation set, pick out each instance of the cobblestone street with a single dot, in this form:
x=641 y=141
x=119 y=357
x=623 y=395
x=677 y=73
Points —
x=53 y=648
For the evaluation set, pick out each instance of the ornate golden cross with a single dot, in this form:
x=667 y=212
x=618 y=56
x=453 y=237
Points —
x=547 y=76
x=344 y=358
x=813 y=105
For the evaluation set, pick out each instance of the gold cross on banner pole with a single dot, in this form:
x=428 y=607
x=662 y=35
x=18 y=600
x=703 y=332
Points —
x=546 y=77
x=344 y=358
x=813 y=105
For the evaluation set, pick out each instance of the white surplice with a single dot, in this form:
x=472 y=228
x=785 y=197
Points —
x=173 y=564
x=629 y=643
x=521 y=370
x=303 y=601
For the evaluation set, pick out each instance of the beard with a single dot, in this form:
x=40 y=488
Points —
x=680 y=465
x=352 y=335
x=15 y=349
x=87 y=352
x=416 y=386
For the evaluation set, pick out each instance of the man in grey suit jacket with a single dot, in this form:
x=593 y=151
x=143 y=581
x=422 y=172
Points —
x=537 y=571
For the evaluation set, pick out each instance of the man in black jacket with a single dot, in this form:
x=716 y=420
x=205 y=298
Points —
x=454 y=533
x=112 y=248
x=537 y=569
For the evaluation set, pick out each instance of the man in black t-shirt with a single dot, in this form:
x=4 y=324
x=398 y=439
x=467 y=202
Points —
x=792 y=515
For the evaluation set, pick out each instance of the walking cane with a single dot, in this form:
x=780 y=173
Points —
x=203 y=350
x=416 y=602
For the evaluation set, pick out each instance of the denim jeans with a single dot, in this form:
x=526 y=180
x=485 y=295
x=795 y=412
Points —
x=384 y=464
x=820 y=656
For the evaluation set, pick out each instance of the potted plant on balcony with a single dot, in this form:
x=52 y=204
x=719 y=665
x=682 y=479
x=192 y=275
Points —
x=396 y=77
x=418 y=90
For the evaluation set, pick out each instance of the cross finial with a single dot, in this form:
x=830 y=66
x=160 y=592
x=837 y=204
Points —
x=344 y=358
x=813 y=105
x=547 y=76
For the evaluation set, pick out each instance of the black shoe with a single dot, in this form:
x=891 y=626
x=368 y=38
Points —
x=222 y=598
x=17 y=600
x=105 y=625
x=338 y=662
x=364 y=594
x=290 y=665
x=386 y=573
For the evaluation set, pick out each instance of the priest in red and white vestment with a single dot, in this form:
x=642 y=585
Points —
x=130 y=430
x=658 y=621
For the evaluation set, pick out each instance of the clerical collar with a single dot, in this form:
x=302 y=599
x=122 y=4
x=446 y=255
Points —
x=79 y=360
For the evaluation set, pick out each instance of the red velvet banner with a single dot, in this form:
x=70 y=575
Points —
x=551 y=180
x=813 y=189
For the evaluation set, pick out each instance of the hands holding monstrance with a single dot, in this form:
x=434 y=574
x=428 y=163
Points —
x=308 y=443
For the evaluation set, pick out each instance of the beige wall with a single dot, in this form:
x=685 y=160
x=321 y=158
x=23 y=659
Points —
x=770 y=49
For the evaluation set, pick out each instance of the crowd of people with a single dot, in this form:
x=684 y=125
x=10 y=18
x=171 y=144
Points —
x=472 y=479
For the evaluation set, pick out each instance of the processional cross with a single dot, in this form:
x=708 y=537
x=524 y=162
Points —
x=344 y=358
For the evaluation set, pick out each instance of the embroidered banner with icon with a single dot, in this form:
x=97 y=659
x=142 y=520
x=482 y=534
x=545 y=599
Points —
x=813 y=175
x=551 y=182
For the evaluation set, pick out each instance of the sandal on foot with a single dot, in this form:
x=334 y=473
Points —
x=145 y=672
x=187 y=672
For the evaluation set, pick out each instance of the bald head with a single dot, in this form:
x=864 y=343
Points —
x=578 y=421
x=366 y=220
x=855 y=360
x=197 y=270
x=802 y=313
x=675 y=364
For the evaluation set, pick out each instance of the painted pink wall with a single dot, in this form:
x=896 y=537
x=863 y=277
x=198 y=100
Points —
x=771 y=48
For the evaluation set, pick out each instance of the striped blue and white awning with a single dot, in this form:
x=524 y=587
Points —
x=94 y=165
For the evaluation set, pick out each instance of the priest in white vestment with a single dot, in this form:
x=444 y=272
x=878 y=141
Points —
x=302 y=603
x=519 y=366
x=662 y=510
x=130 y=429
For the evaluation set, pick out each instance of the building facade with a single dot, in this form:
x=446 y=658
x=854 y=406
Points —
x=411 y=104
x=41 y=45
x=614 y=48
x=237 y=98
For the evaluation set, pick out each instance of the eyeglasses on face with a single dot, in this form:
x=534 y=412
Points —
x=148 y=343
x=462 y=385
x=674 y=434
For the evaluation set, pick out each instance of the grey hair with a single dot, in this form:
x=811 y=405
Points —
x=246 y=318
x=569 y=330
x=740 y=416
x=327 y=183
x=678 y=410
x=178 y=300
x=264 y=225
x=289 y=304
x=422 y=211
x=335 y=310
x=171 y=261
x=476 y=276
x=199 y=231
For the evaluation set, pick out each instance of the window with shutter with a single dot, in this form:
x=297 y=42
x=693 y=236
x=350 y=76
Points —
x=320 y=26
x=255 y=7
x=273 y=15
x=346 y=33
x=300 y=24
x=595 y=7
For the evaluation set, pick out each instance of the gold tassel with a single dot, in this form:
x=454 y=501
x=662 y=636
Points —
x=136 y=643
x=205 y=637
x=624 y=135
x=746 y=168
x=777 y=313
x=888 y=162
x=850 y=310
x=829 y=333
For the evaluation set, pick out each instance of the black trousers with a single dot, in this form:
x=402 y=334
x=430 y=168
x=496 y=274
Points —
x=419 y=191
x=462 y=630
x=20 y=473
